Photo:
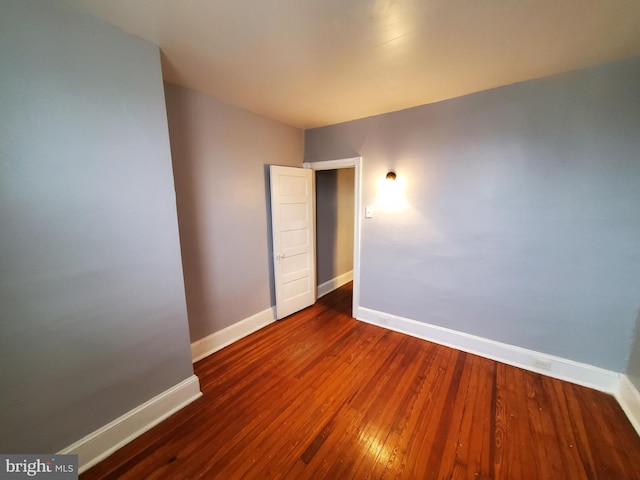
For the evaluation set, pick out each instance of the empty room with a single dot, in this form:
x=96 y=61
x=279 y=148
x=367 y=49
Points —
x=320 y=239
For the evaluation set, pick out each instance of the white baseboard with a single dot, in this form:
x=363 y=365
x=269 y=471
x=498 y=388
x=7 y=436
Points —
x=334 y=283
x=557 y=367
x=98 y=445
x=629 y=399
x=220 y=339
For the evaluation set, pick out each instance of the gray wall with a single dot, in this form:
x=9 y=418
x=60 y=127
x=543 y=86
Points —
x=522 y=222
x=220 y=157
x=334 y=223
x=633 y=368
x=92 y=310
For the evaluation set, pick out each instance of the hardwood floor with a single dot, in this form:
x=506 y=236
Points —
x=321 y=395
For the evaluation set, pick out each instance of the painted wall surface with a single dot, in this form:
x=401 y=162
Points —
x=92 y=310
x=522 y=219
x=221 y=155
x=633 y=368
x=334 y=223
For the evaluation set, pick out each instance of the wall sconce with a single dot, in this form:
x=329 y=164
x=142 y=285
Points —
x=391 y=196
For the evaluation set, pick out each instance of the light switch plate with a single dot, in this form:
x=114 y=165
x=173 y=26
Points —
x=368 y=212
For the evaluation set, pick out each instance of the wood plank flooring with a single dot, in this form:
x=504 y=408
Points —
x=321 y=395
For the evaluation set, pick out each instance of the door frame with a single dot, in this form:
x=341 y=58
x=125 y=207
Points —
x=355 y=163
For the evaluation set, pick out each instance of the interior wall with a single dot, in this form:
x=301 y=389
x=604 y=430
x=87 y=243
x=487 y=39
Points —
x=334 y=223
x=93 y=318
x=633 y=367
x=221 y=155
x=521 y=221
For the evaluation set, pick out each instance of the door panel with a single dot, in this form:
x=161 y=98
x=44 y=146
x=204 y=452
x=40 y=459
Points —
x=293 y=238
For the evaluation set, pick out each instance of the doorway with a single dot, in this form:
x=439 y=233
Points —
x=332 y=283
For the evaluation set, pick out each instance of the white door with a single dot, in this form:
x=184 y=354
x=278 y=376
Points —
x=292 y=221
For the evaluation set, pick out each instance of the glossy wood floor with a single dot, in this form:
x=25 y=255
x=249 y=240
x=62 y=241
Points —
x=321 y=395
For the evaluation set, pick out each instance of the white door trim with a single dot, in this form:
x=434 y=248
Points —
x=356 y=163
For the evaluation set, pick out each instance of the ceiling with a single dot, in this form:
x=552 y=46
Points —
x=310 y=63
